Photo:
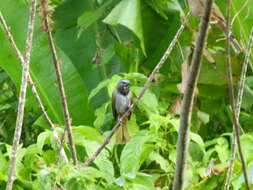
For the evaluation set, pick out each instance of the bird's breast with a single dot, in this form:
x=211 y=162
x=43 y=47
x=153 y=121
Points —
x=122 y=103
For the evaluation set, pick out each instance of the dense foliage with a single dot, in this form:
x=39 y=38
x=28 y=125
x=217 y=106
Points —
x=99 y=42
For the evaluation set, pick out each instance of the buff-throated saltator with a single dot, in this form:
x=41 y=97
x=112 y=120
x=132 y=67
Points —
x=121 y=100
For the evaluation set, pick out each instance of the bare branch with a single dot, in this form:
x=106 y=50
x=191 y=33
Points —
x=22 y=96
x=10 y=38
x=236 y=132
x=50 y=123
x=186 y=110
x=237 y=109
x=243 y=75
x=145 y=87
x=67 y=119
x=33 y=86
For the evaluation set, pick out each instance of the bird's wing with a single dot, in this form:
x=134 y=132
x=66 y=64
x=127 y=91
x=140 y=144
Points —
x=114 y=112
x=130 y=94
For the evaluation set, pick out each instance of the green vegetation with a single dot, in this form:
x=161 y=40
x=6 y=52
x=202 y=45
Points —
x=100 y=42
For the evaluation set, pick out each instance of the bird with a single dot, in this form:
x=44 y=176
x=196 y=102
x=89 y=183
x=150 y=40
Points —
x=197 y=9
x=121 y=101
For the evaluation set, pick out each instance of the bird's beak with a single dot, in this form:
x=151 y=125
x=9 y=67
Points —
x=125 y=87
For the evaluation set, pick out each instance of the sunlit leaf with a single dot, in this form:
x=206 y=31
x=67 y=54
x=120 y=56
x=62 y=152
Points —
x=130 y=156
x=102 y=161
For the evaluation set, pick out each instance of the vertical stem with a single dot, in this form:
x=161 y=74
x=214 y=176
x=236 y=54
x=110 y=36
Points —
x=22 y=96
x=33 y=86
x=55 y=134
x=57 y=63
x=235 y=105
x=186 y=110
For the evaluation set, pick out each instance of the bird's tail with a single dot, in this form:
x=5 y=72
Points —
x=235 y=45
x=122 y=135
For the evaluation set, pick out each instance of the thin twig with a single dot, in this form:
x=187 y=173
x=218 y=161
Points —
x=243 y=75
x=186 y=110
x=55 y=134
x=67 y=119
x=22 y=96
x=232 y=98
x=231 y=162
x=237 y=110
x=146 y=85
x=33 y=86
x=10 y=38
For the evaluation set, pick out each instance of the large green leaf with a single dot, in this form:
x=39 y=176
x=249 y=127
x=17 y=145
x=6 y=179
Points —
x=89 y=133
x=90 y=17
x=42 y=69
x=148 y=102
x=131 y=154
x=102 y=161
x=88 y=50
x=128 y=14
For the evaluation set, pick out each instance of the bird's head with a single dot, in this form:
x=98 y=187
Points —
x=123 y=86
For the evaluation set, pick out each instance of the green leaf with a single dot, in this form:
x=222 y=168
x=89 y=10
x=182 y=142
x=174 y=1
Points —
x=75 y=184
x=102 y=161
x=193 y=136
x=67 y=13
x=133 y=76
x=249 y=81
x=198 y=140
x=148 y=102
x=156 y=121
x=41 y=139
x=4 y=165
x=20 y=155
x=107 y=54
x=113 y=84
x=88 y=133
x=144 y=181
x=204 y=117
x=131 y=154
x=101 y=85
x=100 y=114
x=42 y=69
x=90 y=17
x=247 y=97
x=247 y=144
x=175 y=5
x=238 y=180
x=159 y=6
x=88 y=173
x=164 y=164
x=128 y=14
x=109 y=83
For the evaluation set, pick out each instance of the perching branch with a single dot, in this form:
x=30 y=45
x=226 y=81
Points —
x=46 y=25
x=237 y=109
x=22 y=96
x=145 y=87
x=186 y=110
x=33 y=86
